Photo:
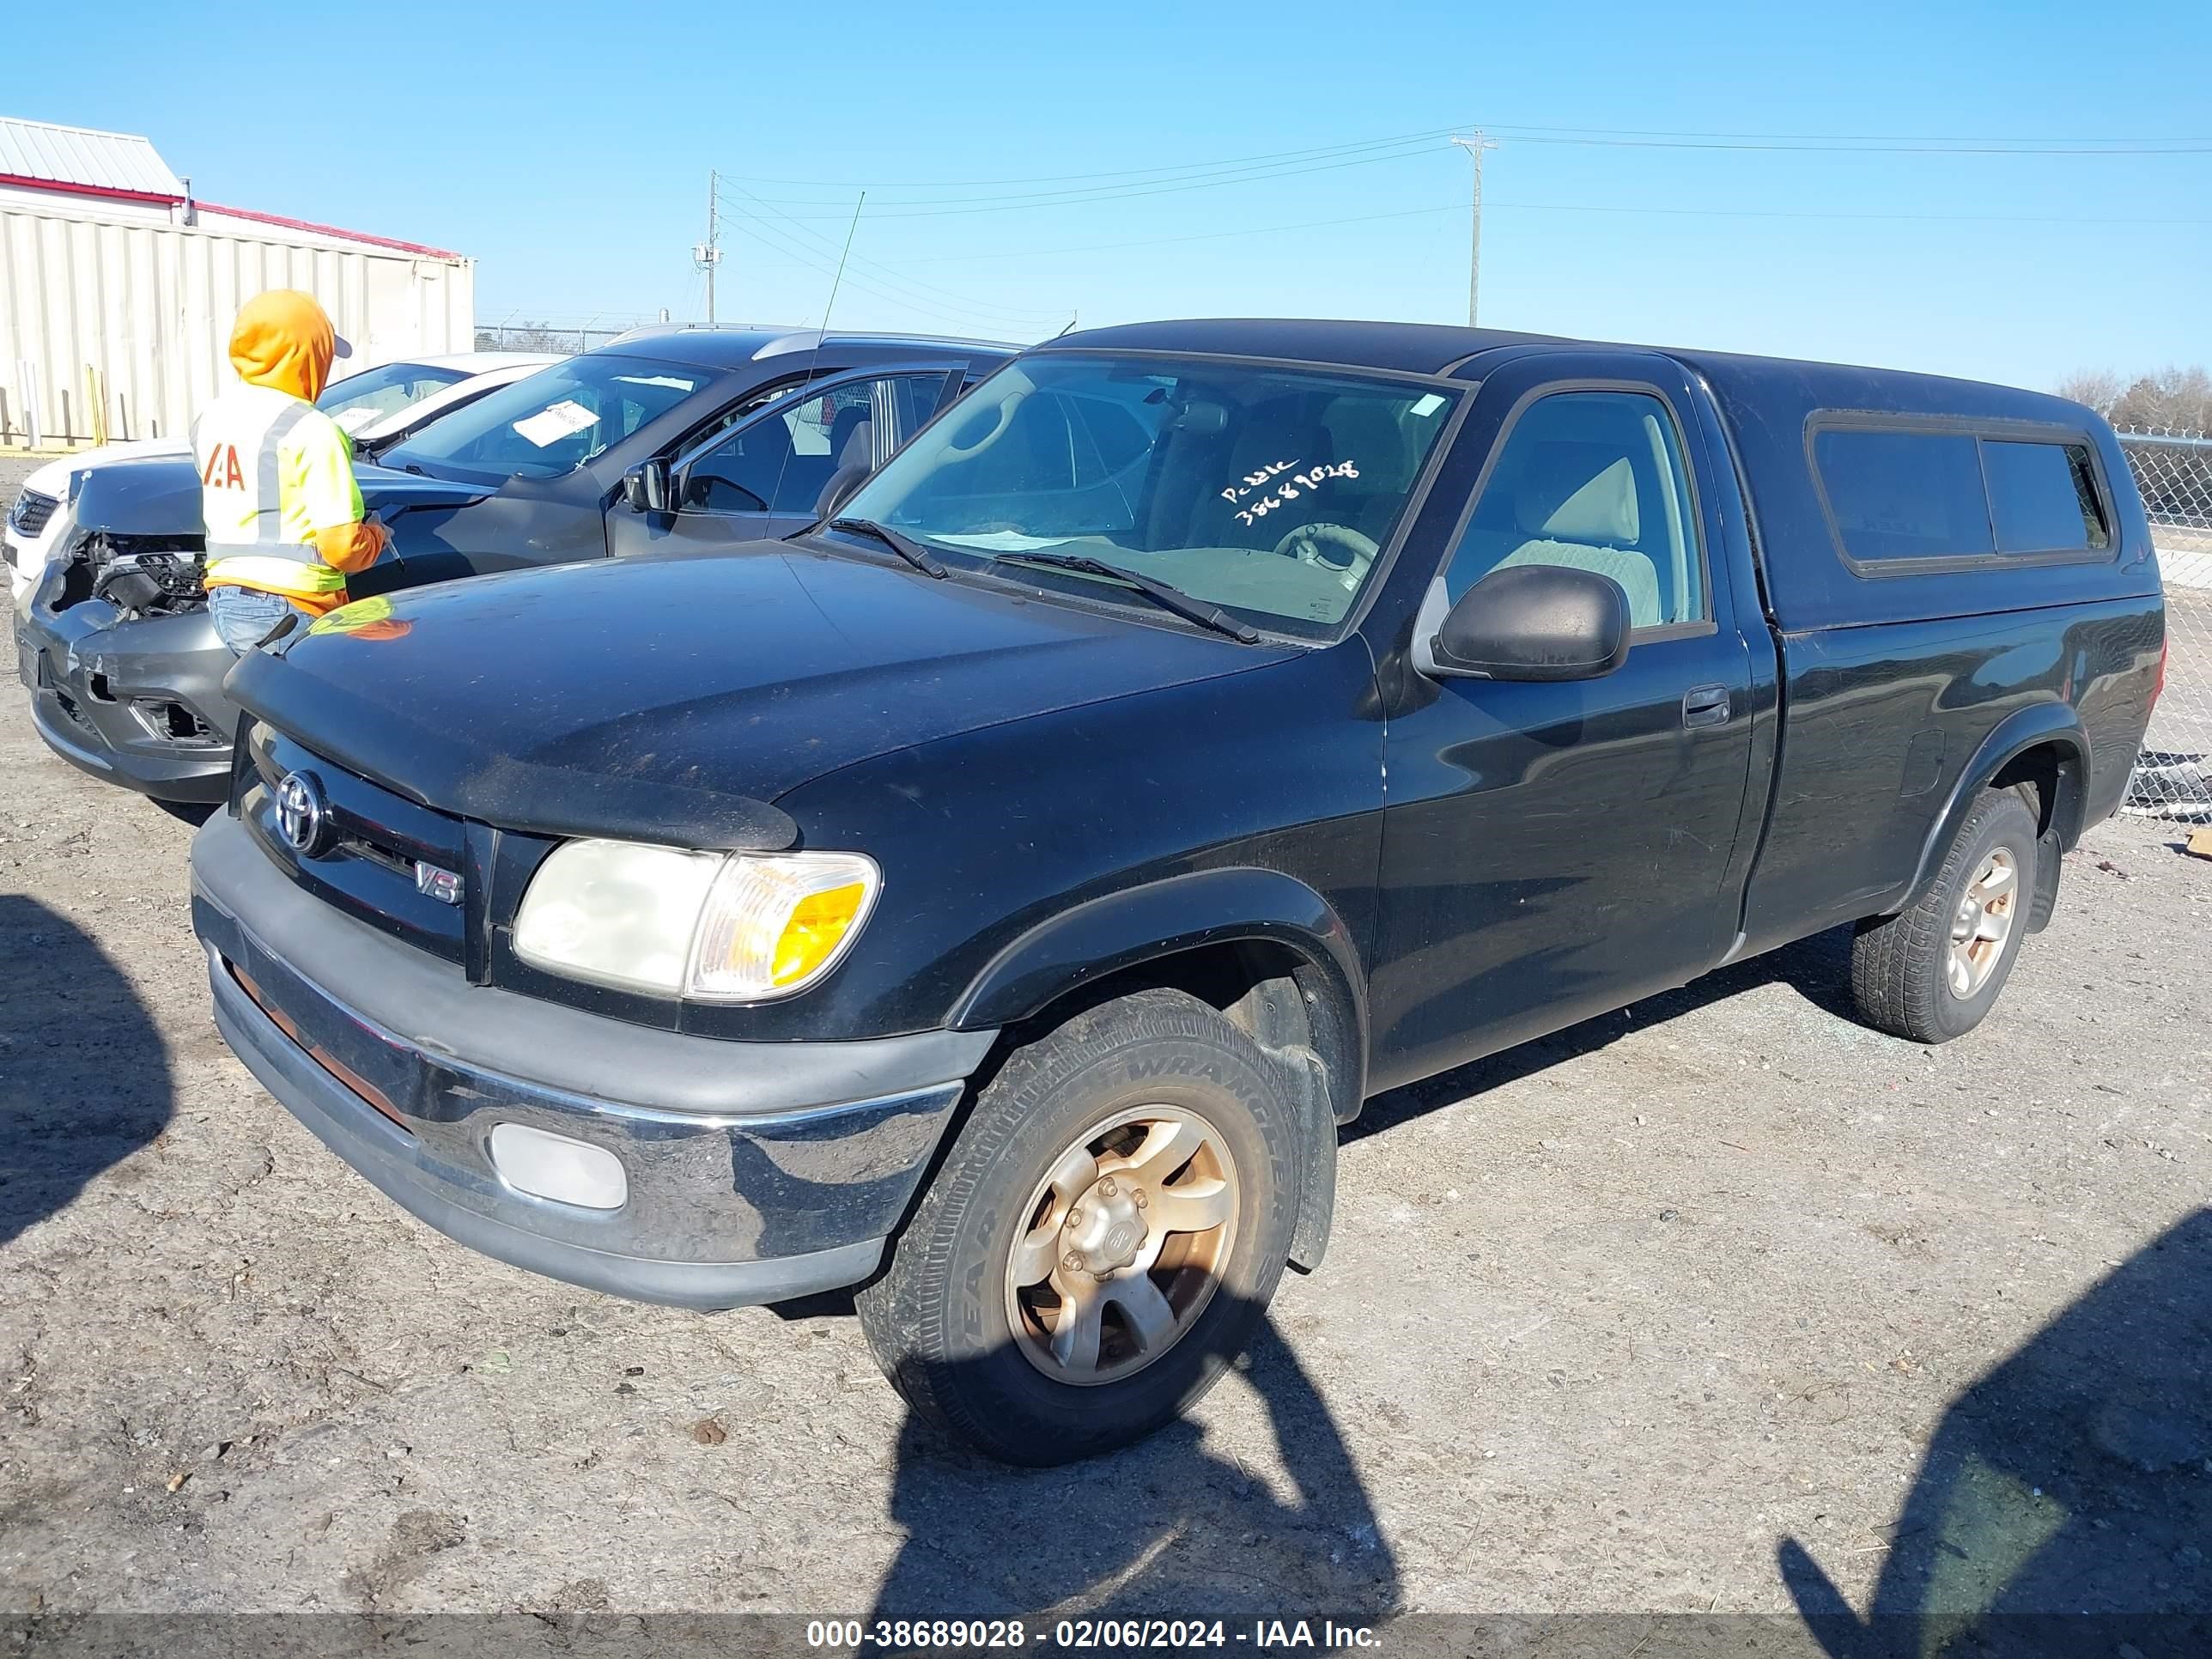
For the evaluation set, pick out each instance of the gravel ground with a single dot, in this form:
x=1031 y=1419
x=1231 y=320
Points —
x=1724 y=1305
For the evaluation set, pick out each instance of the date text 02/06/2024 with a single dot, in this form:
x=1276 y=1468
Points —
x=1083 y=1635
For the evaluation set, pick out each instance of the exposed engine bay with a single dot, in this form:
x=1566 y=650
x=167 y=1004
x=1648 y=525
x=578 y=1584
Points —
x=140 y=575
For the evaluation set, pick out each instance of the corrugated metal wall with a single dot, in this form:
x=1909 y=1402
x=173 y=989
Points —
x=136 y=317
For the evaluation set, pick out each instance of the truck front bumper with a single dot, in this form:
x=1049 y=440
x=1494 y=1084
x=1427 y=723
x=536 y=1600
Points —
x=751 y=1172
x=137 y=702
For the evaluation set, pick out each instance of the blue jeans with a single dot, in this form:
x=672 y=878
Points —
x=244 y=616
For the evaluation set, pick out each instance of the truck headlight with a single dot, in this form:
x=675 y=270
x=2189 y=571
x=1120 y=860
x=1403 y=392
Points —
x=716 y=927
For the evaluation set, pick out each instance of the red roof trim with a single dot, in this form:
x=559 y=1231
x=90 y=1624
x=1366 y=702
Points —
x=62 y=188
x=110 y=193
x=331 y=230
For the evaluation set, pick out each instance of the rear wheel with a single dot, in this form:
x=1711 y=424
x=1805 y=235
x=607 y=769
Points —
x=1933 y=972
x=1102 y=1238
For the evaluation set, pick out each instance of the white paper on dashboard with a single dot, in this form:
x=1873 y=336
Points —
x=549 y=426
x=1006 y=541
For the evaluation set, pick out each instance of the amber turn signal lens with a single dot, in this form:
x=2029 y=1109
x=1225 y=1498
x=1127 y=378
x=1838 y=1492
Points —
x=774 y=925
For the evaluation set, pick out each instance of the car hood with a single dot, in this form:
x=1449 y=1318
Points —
x=158 y=494
x=53 y=479
x=665 y=698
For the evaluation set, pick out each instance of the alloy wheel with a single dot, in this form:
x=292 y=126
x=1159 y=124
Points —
x=1126 y=1240
x=1982 y=922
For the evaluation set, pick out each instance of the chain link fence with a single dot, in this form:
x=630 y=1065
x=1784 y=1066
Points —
x=2173 y=775
x=540 y=336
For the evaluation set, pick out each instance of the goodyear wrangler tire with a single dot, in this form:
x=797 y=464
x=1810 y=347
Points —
x=1101 y=1239
x=1933 y=972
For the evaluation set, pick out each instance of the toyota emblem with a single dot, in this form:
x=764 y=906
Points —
x=303 y=814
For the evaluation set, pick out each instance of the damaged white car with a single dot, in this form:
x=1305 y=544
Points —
x=376 y=407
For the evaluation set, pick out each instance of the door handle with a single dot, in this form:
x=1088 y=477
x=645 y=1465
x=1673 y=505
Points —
x=1705 y=705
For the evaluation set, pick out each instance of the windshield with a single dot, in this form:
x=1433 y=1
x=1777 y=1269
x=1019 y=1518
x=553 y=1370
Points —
x=363 y=399
x=551 y=423
x=1268 y=491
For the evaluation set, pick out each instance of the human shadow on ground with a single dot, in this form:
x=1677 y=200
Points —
x=84 y=1074
x=2064 y=1506
x=1178 y=1524
x=1174 y=1526
x=1817 y=969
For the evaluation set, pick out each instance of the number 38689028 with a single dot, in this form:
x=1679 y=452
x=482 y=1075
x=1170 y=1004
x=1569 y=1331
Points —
x=1289 y=490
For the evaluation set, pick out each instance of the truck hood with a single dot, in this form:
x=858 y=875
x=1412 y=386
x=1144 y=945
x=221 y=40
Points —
x=666 y=698
x=158 y=494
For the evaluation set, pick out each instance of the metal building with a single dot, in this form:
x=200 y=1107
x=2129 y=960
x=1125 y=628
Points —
x=118 y=286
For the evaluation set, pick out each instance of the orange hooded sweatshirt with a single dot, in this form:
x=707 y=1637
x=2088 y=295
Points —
x=284 y=339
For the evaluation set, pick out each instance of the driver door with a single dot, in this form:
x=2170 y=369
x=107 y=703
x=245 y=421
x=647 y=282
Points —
x=1557 y=849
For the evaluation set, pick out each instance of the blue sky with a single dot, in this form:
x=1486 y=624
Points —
x=567 y=149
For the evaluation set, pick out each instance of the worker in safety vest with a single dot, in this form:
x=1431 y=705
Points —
x=284 y=522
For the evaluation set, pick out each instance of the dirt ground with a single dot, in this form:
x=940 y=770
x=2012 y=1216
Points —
x=1725 y=1304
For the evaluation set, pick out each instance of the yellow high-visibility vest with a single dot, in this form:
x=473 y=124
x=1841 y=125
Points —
x=274 y=470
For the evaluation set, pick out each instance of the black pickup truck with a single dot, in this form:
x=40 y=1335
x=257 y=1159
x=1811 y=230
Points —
x=998 y=896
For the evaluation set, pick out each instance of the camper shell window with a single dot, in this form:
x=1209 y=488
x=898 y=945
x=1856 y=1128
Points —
x=1906 y=495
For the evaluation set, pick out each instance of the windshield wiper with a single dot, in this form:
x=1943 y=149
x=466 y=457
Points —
x=905 y=546
x=1189 y=606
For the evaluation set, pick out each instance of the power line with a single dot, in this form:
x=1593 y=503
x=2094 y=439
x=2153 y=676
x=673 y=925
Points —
x=806 y=258
x=963 y=316
x=1842 y=137
x=1001 y=255
x=1430 y=134
x=1807 y=213
x=1137 y=183
x=1202 y=236
x=2186 y=147
x=1625 y=138
x=921 y=207
x=1057 y=199
x=890 y=275
x=877 y=285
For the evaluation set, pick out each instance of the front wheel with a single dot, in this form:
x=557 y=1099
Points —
x=1102 y=1237
x=1933 y=972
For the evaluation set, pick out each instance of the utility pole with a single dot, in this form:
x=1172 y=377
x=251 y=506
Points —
x=1474 y=146
x=708 y=254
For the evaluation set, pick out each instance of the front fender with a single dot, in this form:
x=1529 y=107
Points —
x=2055 y=723
x=1163 y=918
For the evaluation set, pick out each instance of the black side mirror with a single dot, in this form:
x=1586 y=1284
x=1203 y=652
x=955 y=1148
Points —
x=647 y=488
x=1535 y=622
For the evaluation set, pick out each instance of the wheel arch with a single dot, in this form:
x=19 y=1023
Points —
x=2044 y=746
x=1263 y=948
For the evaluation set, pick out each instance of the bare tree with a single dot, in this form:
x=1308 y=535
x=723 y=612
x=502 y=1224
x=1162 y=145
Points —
x=2099 y=388
x=2172 y=399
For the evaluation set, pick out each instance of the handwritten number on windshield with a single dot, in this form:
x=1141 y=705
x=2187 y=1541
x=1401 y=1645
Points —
x=1290 y=490
x=1256 y=480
